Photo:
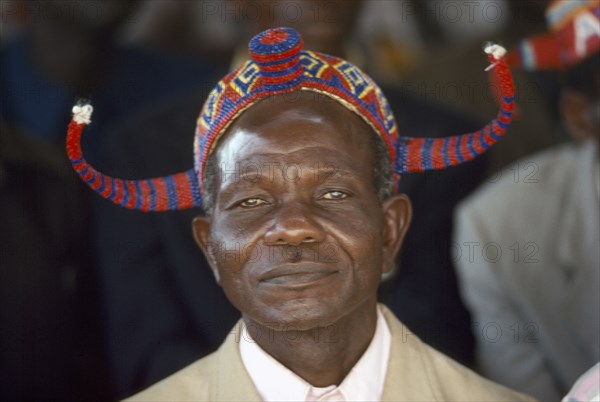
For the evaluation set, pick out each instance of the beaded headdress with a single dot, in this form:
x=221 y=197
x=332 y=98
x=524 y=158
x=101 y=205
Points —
x=279 y=65
x=574 y=35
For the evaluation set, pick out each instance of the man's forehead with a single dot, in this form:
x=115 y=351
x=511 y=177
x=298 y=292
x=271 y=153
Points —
x=290 y=169
x=295 y=129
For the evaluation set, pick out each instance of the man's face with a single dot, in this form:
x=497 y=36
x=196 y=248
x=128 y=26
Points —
x=298 y=236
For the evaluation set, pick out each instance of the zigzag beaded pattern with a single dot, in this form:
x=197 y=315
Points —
x=178 y=191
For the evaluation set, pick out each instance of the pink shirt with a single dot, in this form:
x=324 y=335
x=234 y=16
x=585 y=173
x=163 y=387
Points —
x=275 y=382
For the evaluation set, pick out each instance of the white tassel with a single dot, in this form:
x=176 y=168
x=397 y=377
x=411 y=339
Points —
x=82 y=114
x=496 y=51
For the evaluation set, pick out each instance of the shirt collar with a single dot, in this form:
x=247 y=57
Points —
x=275 y=382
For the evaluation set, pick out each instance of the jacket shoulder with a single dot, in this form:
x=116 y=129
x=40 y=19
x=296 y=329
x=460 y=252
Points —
x=416 y=371
x=191 y=383
x=457 y=382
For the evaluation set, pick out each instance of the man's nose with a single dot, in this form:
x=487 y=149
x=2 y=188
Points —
x=294 y=225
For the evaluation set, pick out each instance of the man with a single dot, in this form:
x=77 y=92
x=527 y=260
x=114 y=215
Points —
x=530 y=272
x=168 y=325
x=296 y=154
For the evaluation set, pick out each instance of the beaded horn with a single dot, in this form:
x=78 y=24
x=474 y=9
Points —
x=279 y=65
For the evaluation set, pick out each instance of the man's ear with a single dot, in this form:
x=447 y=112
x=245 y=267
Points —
x=201 y=229
x=397 y=215
x=575 y=107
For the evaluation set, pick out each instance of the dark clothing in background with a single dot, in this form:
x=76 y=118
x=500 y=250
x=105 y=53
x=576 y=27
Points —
x=130 y=81
x=165 y=309
x=424 y=293
x=51 y=346
x=169 y=311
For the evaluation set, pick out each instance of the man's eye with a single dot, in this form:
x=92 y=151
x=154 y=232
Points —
x=251 y=202
x=334 y=195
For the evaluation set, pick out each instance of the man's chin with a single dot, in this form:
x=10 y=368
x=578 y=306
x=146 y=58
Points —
x=299 y=315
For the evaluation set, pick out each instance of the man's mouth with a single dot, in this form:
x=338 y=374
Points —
x=296 y=274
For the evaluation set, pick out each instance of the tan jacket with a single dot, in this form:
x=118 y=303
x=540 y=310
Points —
x=416 y=372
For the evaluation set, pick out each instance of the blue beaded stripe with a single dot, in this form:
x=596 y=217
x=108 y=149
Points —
x=470 y=146
x=508 y=99
x=171 y=192
x=401 y=153
x=195 y=188
x=138 y=190
x=102 y=184
x=152 y=195
x=125 y=193
x=289 y=87
x=493 y=135
x=445 y=150
x=282 y=87
x=92 y=179
x=268 y=49
x=280 y=73
x=505 y=113
x=482 y=142
x=458 y=150
x=113 y=189
x=426 y=163
x=502 y=124
x=77 y=161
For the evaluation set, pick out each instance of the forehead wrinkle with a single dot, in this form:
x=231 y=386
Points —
x=296 y=157
x=346 y=165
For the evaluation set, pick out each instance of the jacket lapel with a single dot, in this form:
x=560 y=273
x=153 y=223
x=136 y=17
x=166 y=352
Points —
x=230 y=377
x=407 y=378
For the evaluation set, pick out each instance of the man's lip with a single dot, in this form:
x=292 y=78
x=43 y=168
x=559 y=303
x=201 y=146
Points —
x=296 y=273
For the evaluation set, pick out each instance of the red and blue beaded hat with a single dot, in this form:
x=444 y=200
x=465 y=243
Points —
x=279 y=65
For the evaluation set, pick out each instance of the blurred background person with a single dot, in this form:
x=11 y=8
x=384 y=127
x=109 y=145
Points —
x=532 y=277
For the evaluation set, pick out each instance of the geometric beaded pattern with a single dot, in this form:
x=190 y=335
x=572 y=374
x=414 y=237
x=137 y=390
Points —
x=279 y=65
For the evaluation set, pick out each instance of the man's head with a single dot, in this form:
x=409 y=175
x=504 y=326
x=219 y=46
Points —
x=303 y=222
x=383 y=179
x=296 y=156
